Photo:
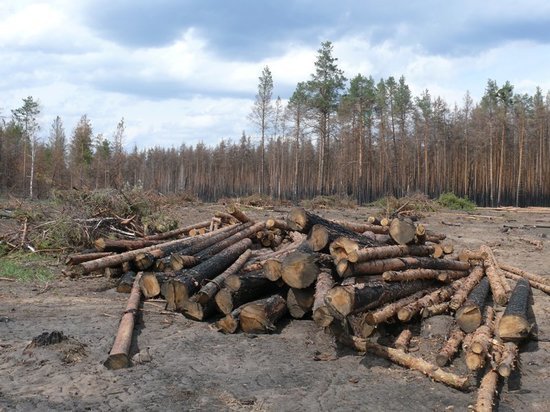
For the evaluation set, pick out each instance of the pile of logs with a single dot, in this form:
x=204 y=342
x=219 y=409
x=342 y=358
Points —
x=349 y=278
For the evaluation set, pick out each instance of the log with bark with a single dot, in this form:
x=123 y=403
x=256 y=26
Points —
x=126 y=282
x=77 y=258
x=118 y=357
x=495 y=276
x=507 y=359
x=343 y=300
x=389 y=251
x=123 y=245
x=480 y=342
x=234 y=211
x=460 y=296
x=413 y=274
x=230 y=322
x=451 y=346
x=403 y=340
x=402 y=231
x=179 y=231
x=524 y=274
x=321 y=235
x=486 y=392
x=515 y=325
x=195 y=310
x=540 y=286
x=440 y=295
x=390 y=310
x=321 y=313
x=261 y=315
x=300 y=302
x=469 y=316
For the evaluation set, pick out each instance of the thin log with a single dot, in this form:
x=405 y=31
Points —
x=389 y=251
x=413 y=274
x=177 y=232
x=260 y=316
x=209 y=290
x=321 y=314
x=480 y=342
x=434 y=310
x=300 y=302
x=469 y=284
x=542 y=287
x=467 y=254
x=344 y=300
x=403 y=340
x=508 y=359
x=226 y=217
x=122 y=245
x=390 y=310
x=238 y=214
x=118 y=357
x=407 y=312
x=495 y=276
x=411 y=362
x=376 y=267
x=358 y=326
x=248 y=230
x=524 y=274
x=402 y=231
x=514 y=325
x=486 y=392
x=469 y=315
x=451 y=346
x=362 y=227
x=78 y=258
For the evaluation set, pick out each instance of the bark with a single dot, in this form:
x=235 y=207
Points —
x=514 y=325
x=390 y=251
x=469 y=284
x=408 y=361
x=376 y=267
x=300 y=302
x=390 y=310
x=260 y=316
x=321 y=314
x=209 y=290
x=451 y=346
x=118 y=357
x=469 y=315
x=344 y=300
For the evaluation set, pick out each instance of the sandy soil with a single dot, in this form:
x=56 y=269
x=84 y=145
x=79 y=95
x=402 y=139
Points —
x=196 y=368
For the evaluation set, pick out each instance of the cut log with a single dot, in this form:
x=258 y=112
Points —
x=402 y=231
x=407 y=312
x=277 y=224
x=122 y=245
x=434 y=310
x=177 y=232
x=469 y=316
x=412 y=274
x=260 y=316
x=495 y=276
x=251 y=287
x=471 y=255
x=273 y=269
x=540 y=286
x=118 y=357
x=358 y=326
x=403 y=340
x=126 y=282
x=321 y=314
x=524 y=274
x=234 y=211
x=508 y=359
x=406 y=360
x=145 y=261
x=486 y=392
x=380 y=266
x=362 y=227
x=390 y=310
x=149 y=285
x=195 y=310
x=322 y=235
x=230 y=322
x=390 y=251
x=514 y=325
x=300 y=302
x=77 y=258
x=480 y=343
x=344 y=300
x=209 y=290
x=114 y=272
x=469 y=284
x=373 y=220
x=299 y=270
x=179 y=261
x=451 y=346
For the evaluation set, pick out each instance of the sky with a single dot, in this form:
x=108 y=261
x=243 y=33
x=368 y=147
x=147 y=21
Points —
x=184 y=72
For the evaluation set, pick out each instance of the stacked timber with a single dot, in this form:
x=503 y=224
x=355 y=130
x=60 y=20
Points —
x=353 y=279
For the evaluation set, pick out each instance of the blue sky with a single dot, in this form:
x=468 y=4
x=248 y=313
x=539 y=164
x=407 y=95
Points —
x=187 y=71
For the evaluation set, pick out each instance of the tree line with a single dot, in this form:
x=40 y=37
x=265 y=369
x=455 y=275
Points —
x=359 y=138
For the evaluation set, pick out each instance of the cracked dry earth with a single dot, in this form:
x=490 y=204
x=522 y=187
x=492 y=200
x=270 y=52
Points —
x=298 y=368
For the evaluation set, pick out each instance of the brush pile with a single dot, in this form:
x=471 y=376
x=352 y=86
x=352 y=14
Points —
x=354 y=279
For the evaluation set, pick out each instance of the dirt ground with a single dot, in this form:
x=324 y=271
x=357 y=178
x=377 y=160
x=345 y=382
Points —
x=194 y=367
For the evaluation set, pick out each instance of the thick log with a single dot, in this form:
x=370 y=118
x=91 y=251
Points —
x=413 y=274
x=495 y=276
x=300 y=302
x=443 y=294
x=402 y=231
x=390 y=310
x=380 y=266
x=177 y=232
x=277 y=224
x=251 y=287
x=451 y=346
x=406 y=360
x=122 y=245
x=524 y=274
x=195 y=310
x=234 y=211
x=362 y=227
x=115 y=260
x=114 y=272
x=469 y=284
x=273 y=269
x=344 y=300
x=209 y=290
x=299 y=269
x=469 y=316
x=118 y=357
x=126 y=282
x=321 y=314
x=77 y=258
x=179 y=261
x=514 y=325
x=486 y=392
x=403 y=340
x=230 y=322
x=260 y=316
x=153 y=283
x=145 y=261
x=540 y=286
x=322 y=235
x=389 y=251
x=189 y=281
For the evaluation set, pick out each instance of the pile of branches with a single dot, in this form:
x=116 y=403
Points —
x=350 y=278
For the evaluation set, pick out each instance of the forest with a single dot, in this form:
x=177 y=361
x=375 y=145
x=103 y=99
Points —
x=359 y=138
